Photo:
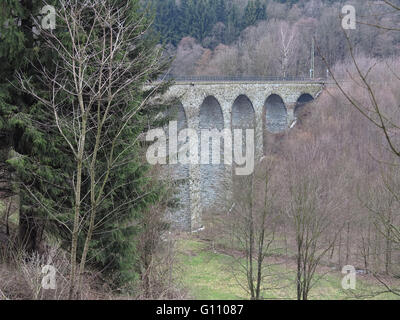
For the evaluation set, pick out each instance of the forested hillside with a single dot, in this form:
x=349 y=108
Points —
x=200 y=19
x=264 y=37
x=204 y=18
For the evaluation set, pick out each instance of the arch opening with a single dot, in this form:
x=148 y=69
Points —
x=243 y=117
x=212 y=175
x=211 y=116
x=177 y=113
x=276 y=116
x=301 y=102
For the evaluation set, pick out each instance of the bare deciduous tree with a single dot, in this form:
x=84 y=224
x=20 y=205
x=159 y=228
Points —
x=311 y=208
x=251 y=227
x=373 y=108
x=287 y=39
x=93 y=95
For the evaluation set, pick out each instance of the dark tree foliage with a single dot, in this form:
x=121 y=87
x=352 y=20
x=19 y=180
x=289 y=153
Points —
x=18 y=112
x=197 y=18
x=43 y=164
x=255 y=11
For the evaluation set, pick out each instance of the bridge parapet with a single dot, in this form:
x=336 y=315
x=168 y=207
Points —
x=241 y=79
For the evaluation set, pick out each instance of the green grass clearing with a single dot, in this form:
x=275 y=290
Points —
x=208 y=276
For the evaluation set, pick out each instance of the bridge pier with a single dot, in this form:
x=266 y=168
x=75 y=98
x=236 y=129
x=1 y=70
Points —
x=290 y=111
x=226 y=184
x=192 y=110
x=258 y=105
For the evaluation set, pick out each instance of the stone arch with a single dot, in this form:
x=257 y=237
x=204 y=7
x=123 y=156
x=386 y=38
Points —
x=176 y=112
x=179 y=212
x=243 y=117
x=211 y=117
x=304 y=99
x=275 y=114
x=179 y=114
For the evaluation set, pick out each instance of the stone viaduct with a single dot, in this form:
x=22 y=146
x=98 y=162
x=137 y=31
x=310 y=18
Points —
x=265 y=106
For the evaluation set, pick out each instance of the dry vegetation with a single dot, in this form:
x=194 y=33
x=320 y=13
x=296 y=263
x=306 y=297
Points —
x=353 y=163
x=331 y=179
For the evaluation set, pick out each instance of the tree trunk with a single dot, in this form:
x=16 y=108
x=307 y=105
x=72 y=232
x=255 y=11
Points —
x=27 y=230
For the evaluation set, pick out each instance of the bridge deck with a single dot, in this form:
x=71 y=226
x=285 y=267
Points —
x=240 y=79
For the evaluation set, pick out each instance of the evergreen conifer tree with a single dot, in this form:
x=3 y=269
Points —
x=45 y=170
x=18 y=110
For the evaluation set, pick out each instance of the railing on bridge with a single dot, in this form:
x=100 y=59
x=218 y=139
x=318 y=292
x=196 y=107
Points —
x=179 y=78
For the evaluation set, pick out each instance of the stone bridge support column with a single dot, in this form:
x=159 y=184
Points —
x=290 y=110
x=192 y=109
x=290 y=101
x=258 y=105
x=226 y=106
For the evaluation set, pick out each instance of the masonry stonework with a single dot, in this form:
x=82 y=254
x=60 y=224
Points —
x=210 y=105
